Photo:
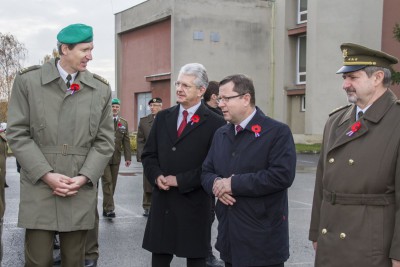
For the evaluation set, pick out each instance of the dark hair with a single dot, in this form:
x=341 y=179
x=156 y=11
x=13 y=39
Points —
x=70 y=47
x=212 y=88
x=242 y=85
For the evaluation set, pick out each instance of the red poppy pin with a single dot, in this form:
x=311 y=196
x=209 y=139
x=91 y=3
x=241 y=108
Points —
x=256 y=129
x=195 y=119
x=74 y=88
x=354 y=128
x=119 y=125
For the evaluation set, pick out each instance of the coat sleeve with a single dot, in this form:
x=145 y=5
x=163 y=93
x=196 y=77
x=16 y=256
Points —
x=208 y=174
x=149 y=157
x=395 y=245
x=127 y=145
x=20 y=135
x=279 y=174
x=140 y=141
x=103 y=145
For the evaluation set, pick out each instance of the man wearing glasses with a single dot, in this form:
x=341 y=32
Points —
x=178 y=223
x=249 y=168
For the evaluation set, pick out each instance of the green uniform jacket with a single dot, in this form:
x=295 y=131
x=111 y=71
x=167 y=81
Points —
x=144 y=128
x=52 y=130
x=122 y=141
x=3 y=157
x=356 y=208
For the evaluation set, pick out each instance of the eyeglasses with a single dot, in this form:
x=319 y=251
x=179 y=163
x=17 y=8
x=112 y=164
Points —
x=184 y=85
x=225 y=99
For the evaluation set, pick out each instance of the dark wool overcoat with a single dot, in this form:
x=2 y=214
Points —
x=180 y=217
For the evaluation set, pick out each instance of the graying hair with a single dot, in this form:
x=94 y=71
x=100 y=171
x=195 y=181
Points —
x=387 y=78
x=197 y=70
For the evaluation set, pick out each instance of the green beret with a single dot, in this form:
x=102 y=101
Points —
x=115 y=101
x=357 y=57
x=75 y=33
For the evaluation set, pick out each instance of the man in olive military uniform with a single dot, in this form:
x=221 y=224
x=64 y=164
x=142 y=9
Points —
x=3 y=157
x=355 y=217
x=122 y=143
x=144 y=128
x=60 y=130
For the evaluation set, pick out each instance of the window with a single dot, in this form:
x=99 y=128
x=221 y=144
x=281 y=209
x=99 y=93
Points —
x=303 y=103
x=301 y=59
x=302 y=11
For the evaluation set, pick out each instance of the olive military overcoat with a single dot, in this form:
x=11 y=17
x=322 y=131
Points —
x=50 y=129
x=144 y=128
x=356 y=207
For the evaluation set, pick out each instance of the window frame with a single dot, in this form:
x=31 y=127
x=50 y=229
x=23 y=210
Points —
x=301 y=13
x=298 y=73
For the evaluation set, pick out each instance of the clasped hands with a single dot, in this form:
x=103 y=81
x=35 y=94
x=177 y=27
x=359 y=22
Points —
x=165 y=182
x=223 y=191
x=63 y=185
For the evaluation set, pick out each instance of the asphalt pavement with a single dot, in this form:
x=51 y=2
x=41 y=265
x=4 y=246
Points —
x=121 y=238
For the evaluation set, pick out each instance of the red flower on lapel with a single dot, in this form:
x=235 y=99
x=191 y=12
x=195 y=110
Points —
x=119 y=125
x=354 y=128
x=256 y=129
x=195 y=119
x=74 y=88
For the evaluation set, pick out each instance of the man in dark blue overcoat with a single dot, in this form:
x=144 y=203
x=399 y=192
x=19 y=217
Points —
x=249 y=167
x=177 y=145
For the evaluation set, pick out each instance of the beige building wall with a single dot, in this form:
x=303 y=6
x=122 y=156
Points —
x=331 y=23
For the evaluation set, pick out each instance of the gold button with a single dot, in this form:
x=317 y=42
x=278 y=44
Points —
x=331 y=160
x=342 y=235
x=351 y=162
x=324 y=231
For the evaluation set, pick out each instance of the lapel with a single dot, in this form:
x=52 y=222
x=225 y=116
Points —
x=202 y=113
x=171 y=118
x=371 y=117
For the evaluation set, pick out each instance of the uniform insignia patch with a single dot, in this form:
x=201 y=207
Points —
x=25 y=70
x=100 y=79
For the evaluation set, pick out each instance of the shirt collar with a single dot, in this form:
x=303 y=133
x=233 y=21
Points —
x=246 y=121
x=64 y=74
x=190 y=110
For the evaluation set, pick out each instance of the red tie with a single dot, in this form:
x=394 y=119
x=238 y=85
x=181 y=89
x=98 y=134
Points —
x=238 y=128
x=183 y=123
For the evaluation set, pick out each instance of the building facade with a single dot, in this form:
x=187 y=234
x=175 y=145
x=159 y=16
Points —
x=289 y=47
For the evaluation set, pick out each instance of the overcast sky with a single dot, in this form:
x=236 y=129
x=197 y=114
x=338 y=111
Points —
x=35 y=23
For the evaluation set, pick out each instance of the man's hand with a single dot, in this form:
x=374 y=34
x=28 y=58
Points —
x=395 y=263
x=162 y=183
x=171 y=181
x=62 y=185
x=222 y=186
x=227 y=199
x=127 y=163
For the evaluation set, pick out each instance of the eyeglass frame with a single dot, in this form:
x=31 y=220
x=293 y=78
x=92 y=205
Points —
x=226 y=99
x=184 y=85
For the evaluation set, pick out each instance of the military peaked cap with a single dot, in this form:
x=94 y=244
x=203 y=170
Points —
x=155 y=100
x=357 y=57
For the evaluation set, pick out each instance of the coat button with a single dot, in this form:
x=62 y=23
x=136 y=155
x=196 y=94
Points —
x=351 y=162
x=173 y=148
x=331 y=160
x=324 y=231
x=342 y=235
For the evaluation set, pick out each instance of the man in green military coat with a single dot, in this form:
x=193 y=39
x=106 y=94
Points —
x=122 y=143
x=356 y=208
x=60 y=130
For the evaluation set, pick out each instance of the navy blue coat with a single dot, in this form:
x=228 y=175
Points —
x=254 y=231
x=179 y=218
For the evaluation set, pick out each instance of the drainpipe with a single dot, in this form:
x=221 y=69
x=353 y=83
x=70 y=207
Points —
x=271 y=4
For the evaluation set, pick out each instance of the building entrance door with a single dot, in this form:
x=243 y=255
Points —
x=142 y=106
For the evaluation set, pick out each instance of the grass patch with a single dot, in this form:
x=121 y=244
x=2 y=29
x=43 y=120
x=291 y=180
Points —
x=308 y=148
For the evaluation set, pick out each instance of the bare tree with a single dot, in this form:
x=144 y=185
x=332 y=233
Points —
x=54 y=54
x=12 y=53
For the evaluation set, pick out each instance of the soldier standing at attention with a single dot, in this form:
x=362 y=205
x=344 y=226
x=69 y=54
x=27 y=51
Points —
x=122 y=143
x=355 y=217
x=60 y=130
x=144 y=128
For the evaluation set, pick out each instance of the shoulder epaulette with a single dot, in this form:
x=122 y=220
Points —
x=25 y=70
x=123 y=119
x=100 y=79
x=338 y=109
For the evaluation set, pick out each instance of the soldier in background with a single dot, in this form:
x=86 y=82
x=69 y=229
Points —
x=122 y=143
x=145 y=124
